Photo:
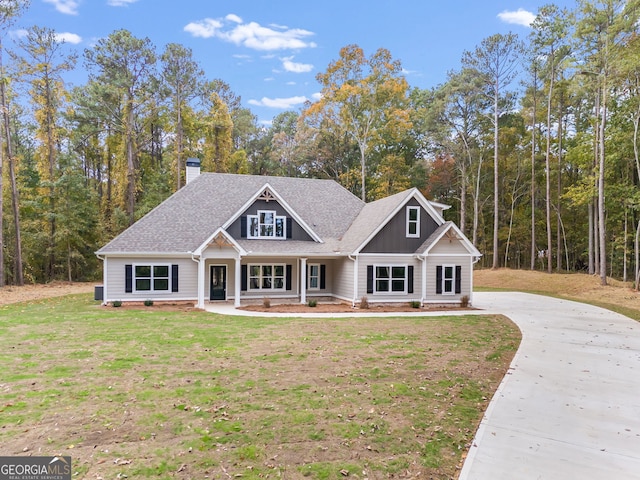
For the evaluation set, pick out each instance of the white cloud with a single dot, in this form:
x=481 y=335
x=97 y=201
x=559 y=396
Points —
x=519 y=17
x=120 y=3
x=67 y=37
x=294 y=67
x=251 y=35
x=291 y=83
x=204 y=28
x=232 y=17
x=60 y=37
x=282 y=103
x=68 y=7
x=316 y=96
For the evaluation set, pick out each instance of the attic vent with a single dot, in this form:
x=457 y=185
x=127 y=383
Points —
x=266 y=195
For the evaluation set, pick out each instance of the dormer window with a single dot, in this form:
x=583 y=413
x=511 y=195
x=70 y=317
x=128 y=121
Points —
x=413 y=222
x=266 y=224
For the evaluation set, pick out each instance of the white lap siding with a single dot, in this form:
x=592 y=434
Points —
x=364 y=261
x=115 y=272
x=465 y=272
x=342 y=279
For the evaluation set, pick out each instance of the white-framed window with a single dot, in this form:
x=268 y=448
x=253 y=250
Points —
x=266 y=224
x=448 y=279
x=152 y=278
x=413 y=222
x=267 y=277
x=313 y=277
x=390 y=279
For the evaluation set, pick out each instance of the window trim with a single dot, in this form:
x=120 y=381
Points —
x=310 y=267
x=416 y=222
x=452 y=291
x=261 y=277
x=152 y=278
x=276 y=218
x=390 y=279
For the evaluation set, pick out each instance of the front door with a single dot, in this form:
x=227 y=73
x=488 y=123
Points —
x=218 y=289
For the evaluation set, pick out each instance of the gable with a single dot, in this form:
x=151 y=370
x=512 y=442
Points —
x=392 y=238
x=449 y=244
x=294 y=230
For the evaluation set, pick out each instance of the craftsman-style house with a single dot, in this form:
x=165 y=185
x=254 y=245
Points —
x=242 y=238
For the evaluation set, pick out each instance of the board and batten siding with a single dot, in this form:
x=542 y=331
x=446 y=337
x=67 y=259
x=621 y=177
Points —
x=115 y=275
x=401 y=260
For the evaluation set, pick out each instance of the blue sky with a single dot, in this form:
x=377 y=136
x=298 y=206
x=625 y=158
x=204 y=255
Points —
x=269 y=52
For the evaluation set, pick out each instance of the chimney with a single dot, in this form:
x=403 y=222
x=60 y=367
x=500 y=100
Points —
x=193 y=169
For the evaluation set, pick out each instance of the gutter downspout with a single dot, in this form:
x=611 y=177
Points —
x=355 y=280
x=200 y=262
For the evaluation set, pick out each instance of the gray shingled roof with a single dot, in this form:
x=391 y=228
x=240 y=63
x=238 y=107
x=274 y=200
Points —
x=184 y=221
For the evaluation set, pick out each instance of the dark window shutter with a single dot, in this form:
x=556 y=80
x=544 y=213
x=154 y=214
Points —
x=458 y=279
x=288 y=279
x=128 y=278
x=323 y=273
x=289 y=228
x=439 y=279
x=369 y=278
x=243 y=278
x=243 y=226
x=410 y=279
x=174 y=278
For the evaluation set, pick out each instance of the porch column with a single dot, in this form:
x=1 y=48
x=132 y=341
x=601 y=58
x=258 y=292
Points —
x=303 y=280
x=237 y=284
x=201 y=277
x=424 y=279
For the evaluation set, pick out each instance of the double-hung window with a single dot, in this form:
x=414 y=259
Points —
x=151 y=278
x=266 y=224
x=390 y=279
x=267 y=277
x=413 y=222
x=448 y=279
x=313 y=280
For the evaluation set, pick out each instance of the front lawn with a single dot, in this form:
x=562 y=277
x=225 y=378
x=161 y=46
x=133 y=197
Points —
x=152 y=393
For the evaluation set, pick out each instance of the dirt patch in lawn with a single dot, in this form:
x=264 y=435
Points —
x=28 y=293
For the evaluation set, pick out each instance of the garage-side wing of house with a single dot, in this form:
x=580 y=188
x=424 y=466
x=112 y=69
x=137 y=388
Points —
x=407 y=252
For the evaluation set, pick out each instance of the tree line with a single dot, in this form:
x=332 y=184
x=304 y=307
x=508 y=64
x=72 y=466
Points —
x=533 y=141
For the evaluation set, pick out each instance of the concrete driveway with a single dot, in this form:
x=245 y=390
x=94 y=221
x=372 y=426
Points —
x=569 y=407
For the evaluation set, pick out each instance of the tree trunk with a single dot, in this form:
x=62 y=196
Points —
x=548 y=173
x=533 y=172
x=131 y=172
x=19 y=275
x=179 y=139
x=495 y=180
x=601 y=203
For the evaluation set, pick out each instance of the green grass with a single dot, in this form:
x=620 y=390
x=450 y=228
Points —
x=155 y=394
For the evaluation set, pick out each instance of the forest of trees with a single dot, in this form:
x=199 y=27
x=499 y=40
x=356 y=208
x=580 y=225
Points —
x=533 y=141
